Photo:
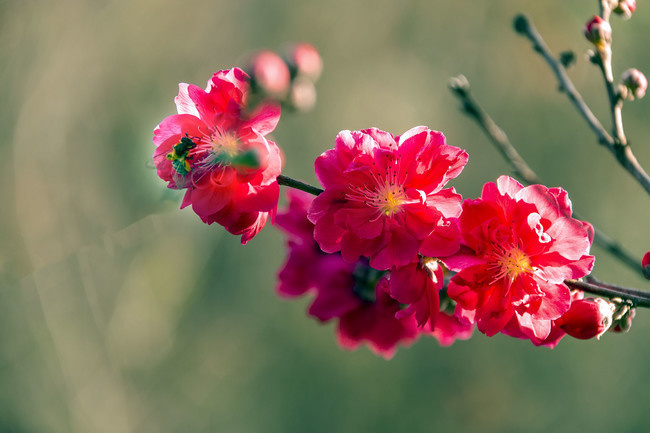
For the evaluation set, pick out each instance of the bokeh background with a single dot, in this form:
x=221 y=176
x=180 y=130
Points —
x=121 y=313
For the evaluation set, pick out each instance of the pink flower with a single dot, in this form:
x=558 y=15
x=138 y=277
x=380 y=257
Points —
x=418 y=284
x=218 y=152
x=449 y=328
x=352 y=293
x=384 y=196
x=520 y=244
x=375 y=323
x=557 y=333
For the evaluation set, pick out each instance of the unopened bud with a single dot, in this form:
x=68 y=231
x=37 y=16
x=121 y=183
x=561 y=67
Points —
x=624 y=322
x=634 y=83
x=270 y=73
x=306 y=61
x=598 y=32
x=625 y=8
x=645 y=264
x=587 y=318
x=303 y=94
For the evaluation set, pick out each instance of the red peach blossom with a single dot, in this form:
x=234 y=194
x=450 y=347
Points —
x=384 y=196
x=218 y=152
x=449 y=328
x=354 y=294
x=557 y=333
x=519 y=245
x=417 y=285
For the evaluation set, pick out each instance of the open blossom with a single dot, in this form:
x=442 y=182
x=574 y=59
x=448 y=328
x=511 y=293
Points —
x=354 y=294
x=418 y=285
x=218 y=152
x=384 y=197
x=519 y=245
x=554 y=336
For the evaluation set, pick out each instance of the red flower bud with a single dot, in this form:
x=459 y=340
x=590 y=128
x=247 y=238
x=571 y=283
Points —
x=635 y=84
x=645 y=263
x=625 y=8
x=587 y=318
x=598 y=32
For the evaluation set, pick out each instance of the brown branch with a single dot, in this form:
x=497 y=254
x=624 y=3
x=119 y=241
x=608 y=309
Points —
x=461 y=89
x=620 y=150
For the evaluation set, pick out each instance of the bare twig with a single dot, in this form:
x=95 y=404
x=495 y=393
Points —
x=621 y=150
x=461 y=89
x=638 y=298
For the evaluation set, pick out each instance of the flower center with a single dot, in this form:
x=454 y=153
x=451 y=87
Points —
x=386 y=194
x=223 y=149
x=510 y=262
x=389 y=199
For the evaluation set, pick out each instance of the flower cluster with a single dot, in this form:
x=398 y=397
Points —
x=355 y=295
x=388 y=251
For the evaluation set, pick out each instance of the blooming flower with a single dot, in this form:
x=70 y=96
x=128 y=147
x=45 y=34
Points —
x=354 y=294
x=554 y=336
x=384 y=196
x=418 y=284
x=519 y=245
x=218 y=152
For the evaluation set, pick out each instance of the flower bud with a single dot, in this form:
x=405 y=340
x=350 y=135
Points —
x=303 y=94
x=645 y=264
x=270 y=73
x=587 y=318
x=624 y=322
x=598 y=32
x=625 y=8
x=634 y=84
x=306 y=61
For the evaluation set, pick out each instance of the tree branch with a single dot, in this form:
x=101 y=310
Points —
x=460 y=87
x=293 y=183
x=621 y=151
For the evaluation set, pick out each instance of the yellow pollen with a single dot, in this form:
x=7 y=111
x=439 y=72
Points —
x=227 y=142
x=514 y=262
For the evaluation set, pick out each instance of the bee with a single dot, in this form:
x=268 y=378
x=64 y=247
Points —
x=180 y=157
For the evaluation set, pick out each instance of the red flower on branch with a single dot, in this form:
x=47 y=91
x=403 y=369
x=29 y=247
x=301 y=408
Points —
x=519 y=245
x=216 y=150
x=384 y=196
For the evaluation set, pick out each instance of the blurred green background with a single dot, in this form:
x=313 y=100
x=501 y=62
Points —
x=121 y=313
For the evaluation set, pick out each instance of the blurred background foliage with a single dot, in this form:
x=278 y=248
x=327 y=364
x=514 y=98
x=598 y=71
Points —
x=120 y=313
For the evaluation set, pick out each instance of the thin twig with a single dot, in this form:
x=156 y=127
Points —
x=638 y=297
x=293 y=183
x=461 y=89
x=621 y=151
